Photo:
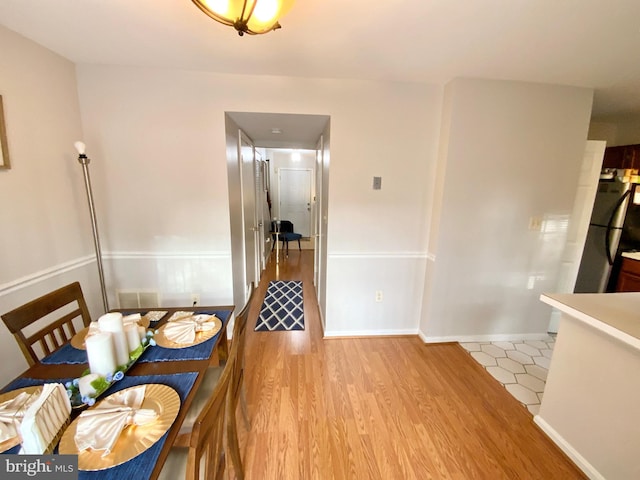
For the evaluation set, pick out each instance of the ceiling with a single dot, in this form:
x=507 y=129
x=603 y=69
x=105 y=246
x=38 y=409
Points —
x=281 y=130
x=589 y=43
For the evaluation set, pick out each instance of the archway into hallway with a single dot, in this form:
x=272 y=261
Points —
x=252 y=180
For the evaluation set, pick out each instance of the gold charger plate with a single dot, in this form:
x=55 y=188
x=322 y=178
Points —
x=163 y=341
x=77 y=341
x=4 y=397
x=134 y=439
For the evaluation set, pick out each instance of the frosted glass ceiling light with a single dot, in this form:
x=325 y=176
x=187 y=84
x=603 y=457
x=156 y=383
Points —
x=246 y=16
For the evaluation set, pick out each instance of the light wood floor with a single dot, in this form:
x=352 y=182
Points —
x=379 y=408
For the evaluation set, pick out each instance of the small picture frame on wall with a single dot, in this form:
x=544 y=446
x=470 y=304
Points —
x=5 y=164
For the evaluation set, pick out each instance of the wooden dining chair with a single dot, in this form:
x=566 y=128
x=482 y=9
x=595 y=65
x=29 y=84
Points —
x=209 y=384
x=212 y=376
x=204 y=454
x=32 y=324
x=237 y=390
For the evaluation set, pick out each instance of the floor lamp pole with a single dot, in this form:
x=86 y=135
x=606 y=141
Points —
x=84 y=161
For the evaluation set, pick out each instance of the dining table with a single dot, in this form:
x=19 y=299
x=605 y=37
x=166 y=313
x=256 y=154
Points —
x=182 y=369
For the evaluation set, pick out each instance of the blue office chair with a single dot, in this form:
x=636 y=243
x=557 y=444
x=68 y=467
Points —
x=285 y=235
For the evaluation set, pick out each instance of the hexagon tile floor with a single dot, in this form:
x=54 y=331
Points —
x=520 y=366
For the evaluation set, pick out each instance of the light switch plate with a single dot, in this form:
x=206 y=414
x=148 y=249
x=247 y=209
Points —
x=377 y=183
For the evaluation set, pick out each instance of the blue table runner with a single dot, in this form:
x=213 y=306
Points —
x=70 y=355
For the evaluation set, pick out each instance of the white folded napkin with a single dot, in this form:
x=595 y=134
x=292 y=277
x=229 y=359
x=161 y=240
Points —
x=99 y=428
x=11 y=413
x=178 y=315
x=45 y=418
x=133 y=318
x=184 y=330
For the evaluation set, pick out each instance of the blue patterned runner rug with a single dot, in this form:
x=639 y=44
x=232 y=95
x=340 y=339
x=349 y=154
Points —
x=282 y=308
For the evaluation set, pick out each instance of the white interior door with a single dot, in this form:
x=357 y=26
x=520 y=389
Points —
x=317 y=220
x=579 y=222
x=249 y=211
x=295 y=198
x=262 y=210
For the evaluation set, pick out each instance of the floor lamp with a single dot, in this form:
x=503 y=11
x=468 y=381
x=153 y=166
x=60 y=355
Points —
x=84 y=161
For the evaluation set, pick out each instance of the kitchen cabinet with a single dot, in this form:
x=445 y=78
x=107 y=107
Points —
x=613 y=157
x=623 y=156
x=629 y=277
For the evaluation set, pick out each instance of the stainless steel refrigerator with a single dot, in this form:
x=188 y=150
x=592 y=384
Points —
x=614 y=228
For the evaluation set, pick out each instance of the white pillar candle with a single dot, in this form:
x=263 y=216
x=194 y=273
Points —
x=133 y=336
x=112 y=322
x=142 y=332
x=101 y=353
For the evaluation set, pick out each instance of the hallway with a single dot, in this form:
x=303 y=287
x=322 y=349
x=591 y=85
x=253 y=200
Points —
x=379 y=408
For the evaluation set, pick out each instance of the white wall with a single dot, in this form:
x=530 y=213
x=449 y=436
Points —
x=616 y=130
x=377 y=238
x=46 y=235
x=157 y=143
x=159 y=172
x=157 y=139
x=510 y=152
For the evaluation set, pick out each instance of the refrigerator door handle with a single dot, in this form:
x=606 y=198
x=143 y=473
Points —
x=610 y=227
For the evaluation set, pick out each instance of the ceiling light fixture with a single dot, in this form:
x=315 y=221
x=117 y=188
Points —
x=246 y=16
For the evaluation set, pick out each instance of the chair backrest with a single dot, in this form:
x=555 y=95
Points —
x=206 y=446
x=240 y=323
x=54 y=333
x=237 y=378
x=286 y=226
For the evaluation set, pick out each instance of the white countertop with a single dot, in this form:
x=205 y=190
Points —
x=617 y=314
x=631 y=255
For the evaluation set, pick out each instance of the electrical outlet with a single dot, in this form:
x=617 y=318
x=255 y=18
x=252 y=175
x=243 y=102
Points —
x=195 y=299
x=378 y=295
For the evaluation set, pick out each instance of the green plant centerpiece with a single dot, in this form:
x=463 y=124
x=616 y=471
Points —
x=84 y=390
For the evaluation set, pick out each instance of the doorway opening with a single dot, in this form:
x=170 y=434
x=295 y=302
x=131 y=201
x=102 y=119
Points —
x=278 y=166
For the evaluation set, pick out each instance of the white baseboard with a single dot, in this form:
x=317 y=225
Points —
x=369 y=333
x=566 y=447
x=483 y=338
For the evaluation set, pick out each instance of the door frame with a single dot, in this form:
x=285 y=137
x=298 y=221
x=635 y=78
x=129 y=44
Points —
x=317 y=218
x=250 y=228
